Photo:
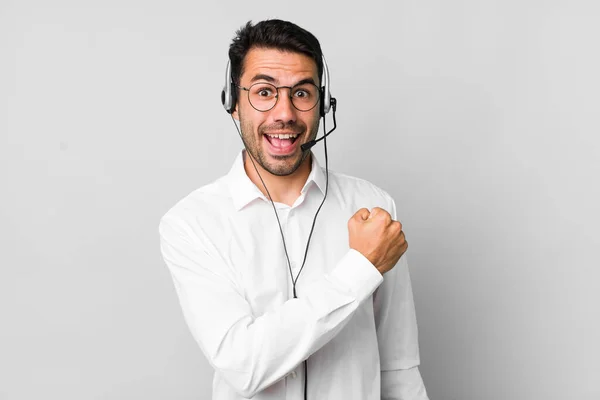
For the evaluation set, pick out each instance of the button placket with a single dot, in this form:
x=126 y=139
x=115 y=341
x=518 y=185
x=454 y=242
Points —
x=294 y=386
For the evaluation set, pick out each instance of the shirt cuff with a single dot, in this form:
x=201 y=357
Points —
x=356 y=273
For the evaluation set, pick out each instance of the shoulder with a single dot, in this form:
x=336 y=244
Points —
x=206 y=204
x=360 y=192
x=360 y=186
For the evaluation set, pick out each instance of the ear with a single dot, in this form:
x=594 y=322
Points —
x=235 y=114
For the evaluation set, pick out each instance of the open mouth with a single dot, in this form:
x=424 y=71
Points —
x=282 y=142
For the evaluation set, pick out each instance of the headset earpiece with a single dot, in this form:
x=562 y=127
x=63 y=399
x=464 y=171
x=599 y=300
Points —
x=325 y=91
x=223 y=98
x=322 y=101
x=228 y=95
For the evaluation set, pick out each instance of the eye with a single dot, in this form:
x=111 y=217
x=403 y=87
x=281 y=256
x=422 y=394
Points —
x=302 y=93
x=263 y=90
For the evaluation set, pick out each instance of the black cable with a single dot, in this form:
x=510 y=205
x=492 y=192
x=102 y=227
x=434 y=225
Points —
x=325 y=133
x=311 y=230
x=272 y=204
x=294 y=280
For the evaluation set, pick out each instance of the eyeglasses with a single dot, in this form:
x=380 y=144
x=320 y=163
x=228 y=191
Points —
x=263 y=96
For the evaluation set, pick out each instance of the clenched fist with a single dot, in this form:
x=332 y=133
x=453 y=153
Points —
x=377 y=237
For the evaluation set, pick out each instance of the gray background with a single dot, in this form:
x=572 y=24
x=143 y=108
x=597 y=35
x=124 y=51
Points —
x=479 y=117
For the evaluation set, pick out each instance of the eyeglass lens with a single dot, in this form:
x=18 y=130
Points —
x=263 y=96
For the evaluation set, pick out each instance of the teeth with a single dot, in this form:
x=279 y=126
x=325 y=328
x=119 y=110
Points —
x=284 y=136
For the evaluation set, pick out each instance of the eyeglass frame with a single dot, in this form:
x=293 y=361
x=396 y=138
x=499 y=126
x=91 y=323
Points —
x=247 y=89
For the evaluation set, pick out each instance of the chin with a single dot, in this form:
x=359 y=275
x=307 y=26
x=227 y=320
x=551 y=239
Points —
x=284 y=165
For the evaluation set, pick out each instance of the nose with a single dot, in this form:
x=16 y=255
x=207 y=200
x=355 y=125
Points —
x=284 y=110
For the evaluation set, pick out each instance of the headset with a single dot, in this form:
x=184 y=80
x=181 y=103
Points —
x=229 y=93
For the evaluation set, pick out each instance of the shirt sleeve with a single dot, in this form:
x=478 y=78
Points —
x=253 y=352
x=403 y=384
x=397 y=334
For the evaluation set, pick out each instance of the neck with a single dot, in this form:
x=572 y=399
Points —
x=283 y=189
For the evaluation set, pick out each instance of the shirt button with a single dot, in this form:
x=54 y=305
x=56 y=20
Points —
x=294 y=265
x=293 y=375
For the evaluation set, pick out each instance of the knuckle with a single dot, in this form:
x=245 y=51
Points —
x=381 y=214
x=386 y=216
x=361 y=213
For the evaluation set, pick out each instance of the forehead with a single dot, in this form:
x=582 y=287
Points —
x=283 y=66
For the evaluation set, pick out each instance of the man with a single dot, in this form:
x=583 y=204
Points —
x=275 y=317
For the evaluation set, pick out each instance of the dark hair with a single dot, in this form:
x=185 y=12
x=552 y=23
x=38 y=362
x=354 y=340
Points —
x=275 y=34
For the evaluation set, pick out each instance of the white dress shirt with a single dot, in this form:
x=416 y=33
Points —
x=357 y=328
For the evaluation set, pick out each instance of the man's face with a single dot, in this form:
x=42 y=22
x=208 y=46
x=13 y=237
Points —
x=280 y=68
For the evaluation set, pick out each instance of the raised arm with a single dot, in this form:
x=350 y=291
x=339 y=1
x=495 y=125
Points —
x=253 y=352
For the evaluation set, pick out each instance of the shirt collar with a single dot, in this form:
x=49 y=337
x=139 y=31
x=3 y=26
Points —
x=243 y=190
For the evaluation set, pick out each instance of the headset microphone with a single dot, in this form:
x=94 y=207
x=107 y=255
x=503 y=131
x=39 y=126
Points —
x=308 y=145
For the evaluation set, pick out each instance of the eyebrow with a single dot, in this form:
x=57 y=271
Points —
x=262 y=77
x=306 y=80
x=268 y=78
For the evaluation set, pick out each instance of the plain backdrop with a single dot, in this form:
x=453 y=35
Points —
x=479 y=117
